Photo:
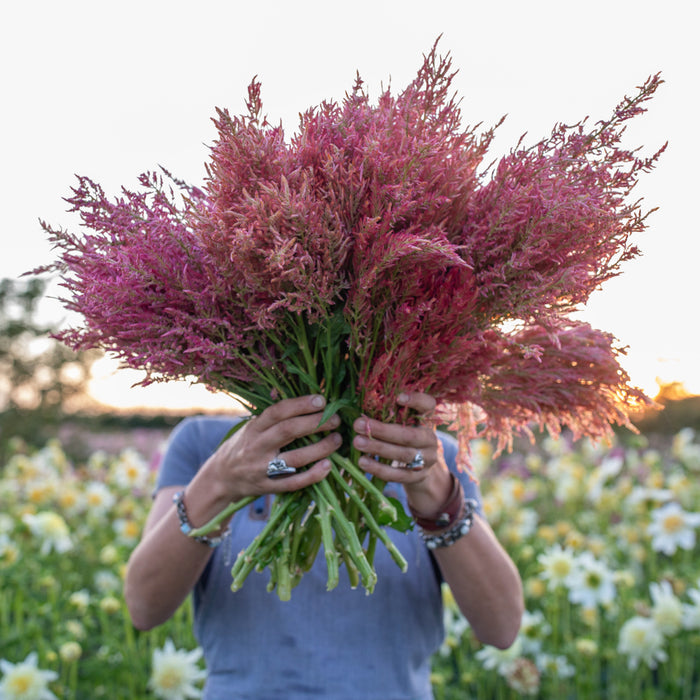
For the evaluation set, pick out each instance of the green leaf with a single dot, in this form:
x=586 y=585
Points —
x=403 y=521
x=333 y=407
x=310 y=381
x=235 y=429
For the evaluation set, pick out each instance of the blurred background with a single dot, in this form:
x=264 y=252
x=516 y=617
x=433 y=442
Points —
x=107 y=92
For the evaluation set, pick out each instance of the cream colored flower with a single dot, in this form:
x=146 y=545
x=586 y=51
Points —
x=25 y=681
x=666 y=610
x=557 y=565
x=591 y=582
x=533 y=629
x=99 y=498
x=175 y=673
x=641 y=640
x=691 y=612
x=500 y=660
x=70 y=652
x=672 y=527
x=130 y=471
x=51 y=528
x=557 y=666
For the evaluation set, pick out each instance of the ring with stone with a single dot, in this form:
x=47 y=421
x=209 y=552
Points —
x=417 y=463
x=277 y=468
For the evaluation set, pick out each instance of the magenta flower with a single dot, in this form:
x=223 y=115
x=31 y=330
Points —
x=370 y=254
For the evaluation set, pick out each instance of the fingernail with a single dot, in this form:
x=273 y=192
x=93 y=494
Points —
x=403 y=398
x=360 y=425
x=337 y=439
x=318 y=401
x=359 y=441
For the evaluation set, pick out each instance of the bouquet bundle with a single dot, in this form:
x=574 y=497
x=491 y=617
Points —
x=372 y=253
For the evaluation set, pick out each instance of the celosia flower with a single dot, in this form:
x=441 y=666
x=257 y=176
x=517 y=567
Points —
x=371 y=254
x=666 y=609
x=51 y=529
x=672 y=527
x=641 y=641
x=175 y=673
x=25 y=681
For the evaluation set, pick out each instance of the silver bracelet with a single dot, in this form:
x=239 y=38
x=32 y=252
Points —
x=459 y=529
x=186 y=526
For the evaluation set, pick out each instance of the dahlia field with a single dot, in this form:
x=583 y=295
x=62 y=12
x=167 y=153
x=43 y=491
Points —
x=605 y=537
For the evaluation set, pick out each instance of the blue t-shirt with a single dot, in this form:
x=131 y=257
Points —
x=338 y=645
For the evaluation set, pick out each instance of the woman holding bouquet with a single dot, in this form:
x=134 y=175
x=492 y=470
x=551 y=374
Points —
x=340 y=644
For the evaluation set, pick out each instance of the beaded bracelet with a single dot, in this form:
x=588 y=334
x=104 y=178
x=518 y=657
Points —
x=454 y=519
x=186 y=525
x=434 y=540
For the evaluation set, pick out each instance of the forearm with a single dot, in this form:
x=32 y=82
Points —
x=166 y=564
x=485 y=584
x=484 y=581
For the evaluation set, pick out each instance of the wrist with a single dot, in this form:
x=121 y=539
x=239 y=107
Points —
x=207 y=495
x=429 y=494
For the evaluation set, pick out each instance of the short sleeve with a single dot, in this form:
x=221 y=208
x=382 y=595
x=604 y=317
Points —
x=191 y=443
x=469 y=484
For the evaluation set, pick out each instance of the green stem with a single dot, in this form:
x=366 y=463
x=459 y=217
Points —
x=359 y=477
x=345 y=530
x=371 y=522
x=247 y=559
x=216 y=521
x=324 y=517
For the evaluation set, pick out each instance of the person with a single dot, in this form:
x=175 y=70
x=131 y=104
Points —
x=341 y=644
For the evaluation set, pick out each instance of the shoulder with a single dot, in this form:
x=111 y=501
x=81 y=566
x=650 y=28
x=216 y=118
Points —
x=190 y=444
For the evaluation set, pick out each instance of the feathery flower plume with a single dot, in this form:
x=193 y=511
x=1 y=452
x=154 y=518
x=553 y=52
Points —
x=371 y=253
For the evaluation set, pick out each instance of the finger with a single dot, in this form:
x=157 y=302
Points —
x=315 y=473
x=411 y=436
x=288 y=408
x=286 y=432
x=419 y=402
x=302 y=456
x=386 y=472
x=398 y=453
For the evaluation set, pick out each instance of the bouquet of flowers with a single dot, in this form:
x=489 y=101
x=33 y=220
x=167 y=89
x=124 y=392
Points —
x=370 y=254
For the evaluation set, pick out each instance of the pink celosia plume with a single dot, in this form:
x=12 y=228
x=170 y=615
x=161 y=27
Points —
x=385 y=215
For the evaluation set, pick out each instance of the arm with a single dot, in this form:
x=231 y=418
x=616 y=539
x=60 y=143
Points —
x=166 y=564
x=484 y=581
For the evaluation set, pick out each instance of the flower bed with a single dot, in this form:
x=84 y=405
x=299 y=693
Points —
x=607 y=550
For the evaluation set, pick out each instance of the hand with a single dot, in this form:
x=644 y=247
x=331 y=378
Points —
x=426 y=488
x=240 y=464
x=397 y=444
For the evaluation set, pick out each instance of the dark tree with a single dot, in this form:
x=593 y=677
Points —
x=40 y=378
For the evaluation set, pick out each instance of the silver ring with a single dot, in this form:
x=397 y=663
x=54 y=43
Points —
x=277 y=468
x=417 y=463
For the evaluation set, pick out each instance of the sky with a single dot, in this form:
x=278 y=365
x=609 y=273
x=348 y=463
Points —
x=112 y=89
